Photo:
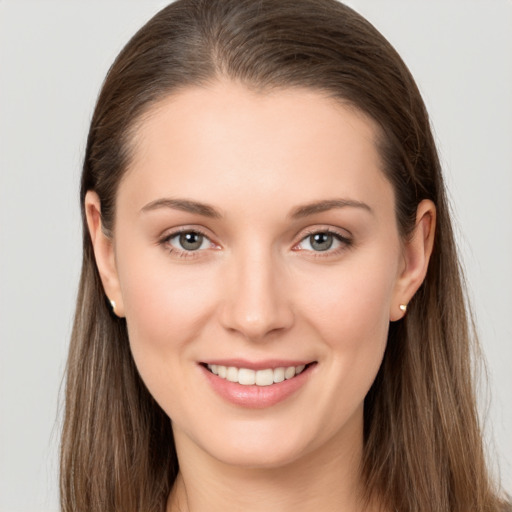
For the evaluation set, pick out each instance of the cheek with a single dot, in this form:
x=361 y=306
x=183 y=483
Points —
x=349 y=310
x=166 y=307
x=351 y=317
x=352 y=302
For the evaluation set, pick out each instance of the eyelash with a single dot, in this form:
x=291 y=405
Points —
x=344 y=240
x=178 y=252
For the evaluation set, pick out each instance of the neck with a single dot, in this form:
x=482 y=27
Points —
x=326 y=479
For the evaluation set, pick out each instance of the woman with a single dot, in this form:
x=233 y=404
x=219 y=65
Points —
x=270 y=312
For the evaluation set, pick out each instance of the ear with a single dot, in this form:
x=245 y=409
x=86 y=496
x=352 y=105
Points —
x=103 y=252
x=416 y=255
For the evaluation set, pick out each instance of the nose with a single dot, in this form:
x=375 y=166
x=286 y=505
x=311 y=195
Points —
x=256 y=303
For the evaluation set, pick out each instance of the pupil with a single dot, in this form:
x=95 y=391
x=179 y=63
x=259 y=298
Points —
x=321 y=241
x=191 y=241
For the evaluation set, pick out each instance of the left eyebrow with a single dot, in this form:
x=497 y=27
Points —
x=326 y=205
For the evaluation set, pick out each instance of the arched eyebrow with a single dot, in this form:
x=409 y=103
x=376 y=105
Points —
x=185 y=205
x=326 y=205
x=207 y=210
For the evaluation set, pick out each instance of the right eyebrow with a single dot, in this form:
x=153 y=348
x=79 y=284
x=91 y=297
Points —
x=185 y=205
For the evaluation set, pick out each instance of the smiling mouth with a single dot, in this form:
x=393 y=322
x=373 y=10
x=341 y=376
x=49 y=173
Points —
x=249 y=377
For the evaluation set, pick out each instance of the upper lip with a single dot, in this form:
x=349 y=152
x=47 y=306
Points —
x=258 y=365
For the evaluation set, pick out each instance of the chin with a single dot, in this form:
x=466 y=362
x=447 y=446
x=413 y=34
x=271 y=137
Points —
x=255 y=446
x=258 y=458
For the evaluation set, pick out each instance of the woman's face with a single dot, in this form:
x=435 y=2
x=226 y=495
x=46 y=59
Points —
x=255 y=234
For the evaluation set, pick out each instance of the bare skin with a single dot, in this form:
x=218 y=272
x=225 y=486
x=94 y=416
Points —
x=218 y=254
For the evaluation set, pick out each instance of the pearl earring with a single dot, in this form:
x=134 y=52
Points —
x=113 y=305
x=403 y=307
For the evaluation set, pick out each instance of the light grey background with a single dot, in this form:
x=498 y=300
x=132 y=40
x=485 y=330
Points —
x=53 y=57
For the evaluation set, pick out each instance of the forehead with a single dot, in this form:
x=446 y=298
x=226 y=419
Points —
x=224 y=139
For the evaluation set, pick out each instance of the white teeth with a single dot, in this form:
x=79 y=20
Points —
x=232 y=374
x=289 y=372
x=265 y=377
x=248 y=377
x=279 y=375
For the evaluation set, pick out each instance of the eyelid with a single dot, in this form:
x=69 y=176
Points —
x=344 y=238
x=343 y=234
x=168 y=235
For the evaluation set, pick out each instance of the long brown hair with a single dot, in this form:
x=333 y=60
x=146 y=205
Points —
x=422 y=441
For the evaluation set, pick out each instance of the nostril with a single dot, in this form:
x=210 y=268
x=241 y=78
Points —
x=255 y=303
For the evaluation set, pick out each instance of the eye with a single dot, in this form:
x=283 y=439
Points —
x=188 y=241
x=323 y=241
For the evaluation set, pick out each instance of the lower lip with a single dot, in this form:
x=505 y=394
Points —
x=256 y=397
